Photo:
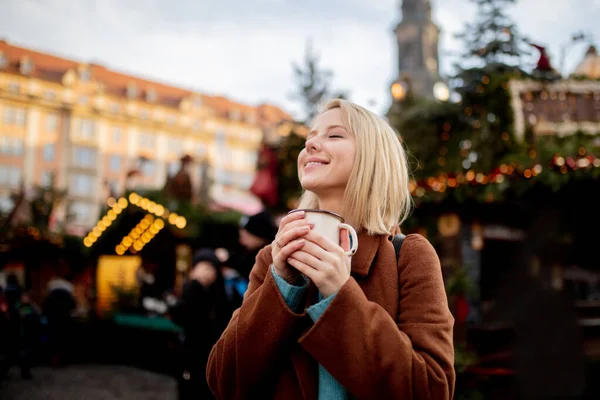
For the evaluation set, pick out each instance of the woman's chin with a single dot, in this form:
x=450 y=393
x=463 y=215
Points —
x=309 y=185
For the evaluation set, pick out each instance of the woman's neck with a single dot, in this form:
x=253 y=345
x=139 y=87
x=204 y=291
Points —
x=333 y=204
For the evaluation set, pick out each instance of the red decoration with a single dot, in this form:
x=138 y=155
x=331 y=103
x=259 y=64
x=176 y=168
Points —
x=543 y=63
x=265 y=183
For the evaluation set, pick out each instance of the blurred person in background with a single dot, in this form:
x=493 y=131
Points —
x=235 y=284
x=17 y=345
x=203 y=312
x=255 y=233
x=59 y=305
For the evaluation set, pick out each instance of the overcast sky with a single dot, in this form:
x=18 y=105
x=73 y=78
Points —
x=243 y=49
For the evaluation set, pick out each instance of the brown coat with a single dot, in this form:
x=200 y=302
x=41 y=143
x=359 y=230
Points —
x=387 y=334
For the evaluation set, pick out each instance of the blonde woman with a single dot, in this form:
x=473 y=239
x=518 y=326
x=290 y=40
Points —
x=317 y=324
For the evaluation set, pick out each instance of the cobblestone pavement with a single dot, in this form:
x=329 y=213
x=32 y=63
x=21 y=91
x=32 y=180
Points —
x=88 y=382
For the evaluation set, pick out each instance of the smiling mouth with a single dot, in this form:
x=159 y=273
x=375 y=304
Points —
x=308 y=164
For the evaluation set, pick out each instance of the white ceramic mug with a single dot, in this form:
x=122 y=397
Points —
x=329 y=225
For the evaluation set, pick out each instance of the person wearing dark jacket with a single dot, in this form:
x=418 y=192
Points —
x=16 y=343
x=256 y=232
x=203 y=313
x=58 y=308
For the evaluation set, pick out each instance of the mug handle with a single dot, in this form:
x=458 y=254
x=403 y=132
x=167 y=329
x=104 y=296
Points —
x=354 y=237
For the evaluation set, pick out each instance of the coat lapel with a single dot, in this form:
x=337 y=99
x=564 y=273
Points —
x=367 y=250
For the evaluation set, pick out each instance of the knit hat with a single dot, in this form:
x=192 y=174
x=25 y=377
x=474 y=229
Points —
x=205 y=254
x=260 y=225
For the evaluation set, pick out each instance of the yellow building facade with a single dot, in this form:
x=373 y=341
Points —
x=89 y=127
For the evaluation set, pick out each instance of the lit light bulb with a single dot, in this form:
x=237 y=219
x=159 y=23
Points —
x=123 y=202
x=180 y=222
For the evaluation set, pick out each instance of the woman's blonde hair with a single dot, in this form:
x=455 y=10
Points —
x=377 y=197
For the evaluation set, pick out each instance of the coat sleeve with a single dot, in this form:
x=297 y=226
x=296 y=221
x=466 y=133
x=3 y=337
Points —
x=375 y=357
x=259 y=332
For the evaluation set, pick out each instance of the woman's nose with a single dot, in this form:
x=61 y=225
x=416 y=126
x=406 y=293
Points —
x=313 y=144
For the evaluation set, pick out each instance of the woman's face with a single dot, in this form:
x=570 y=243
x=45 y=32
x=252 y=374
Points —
x=325 y=163
x=205 y=273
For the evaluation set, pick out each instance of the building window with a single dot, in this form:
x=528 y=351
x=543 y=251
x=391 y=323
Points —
x=14 y=178
x=197 y=125
x=175 y=146
x=5 y=146
x=52 y=123
x=115 y=163
x=148 y=167
x=18 y=147
x=49 y=152
x=82 y=185
x=10 y=176
x=14 y=116
x=84 y=157
x=221 y=140
x=14 y=87
x=201 y=150
x=116 y=135
x=3 y=60
x=85 y=75
x=49 y=95
x=46 y=179
x=144 y=114
x=20 y=117
x=83 y=100
x=26 y=66
x=4 y=175
x=246 y=180
x=151 y=96
x=11 y=146
x=147 y=141
x=173 y=168
x=114 y=108
x=131 y=91
x=83 y=212
x=9 y=116
x=171 y=119
x=252 y=159
x=6 y=203
x=86 y=130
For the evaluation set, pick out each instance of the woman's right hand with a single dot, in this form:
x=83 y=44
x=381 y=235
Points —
x=292 y=228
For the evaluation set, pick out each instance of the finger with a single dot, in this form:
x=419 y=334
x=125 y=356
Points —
x=307 y=259
x=287 y=250
x=309 y=272
x=292 y=234
x=323 y=241
x=345 y=239
x=291 y=217
x=318 y=252
x=291 y=225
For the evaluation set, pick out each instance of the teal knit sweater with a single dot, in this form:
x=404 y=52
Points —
x=329 y=388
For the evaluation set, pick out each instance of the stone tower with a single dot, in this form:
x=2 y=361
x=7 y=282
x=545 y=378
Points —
x=417 y=38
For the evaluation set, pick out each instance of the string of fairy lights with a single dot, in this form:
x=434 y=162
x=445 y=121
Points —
x=444 y=181
x=140 y=235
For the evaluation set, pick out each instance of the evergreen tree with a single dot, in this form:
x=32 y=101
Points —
x=494 y=51
x=313 y=84
x=493 y=38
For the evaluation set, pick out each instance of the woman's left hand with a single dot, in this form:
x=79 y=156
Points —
x=323 y=262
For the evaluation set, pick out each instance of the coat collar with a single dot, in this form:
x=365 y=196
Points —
x=366 y=252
